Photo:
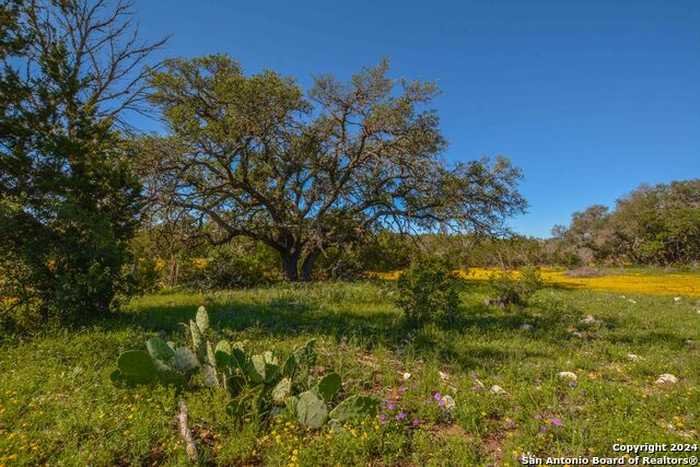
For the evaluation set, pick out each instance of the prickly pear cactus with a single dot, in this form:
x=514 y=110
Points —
x=355 y=407
x=202 y=320
x=185 y=360
x=159 y=350
x=222 y=354
x=266 y=365
x=328 y=386
x=311 y=410
x=281 y=391
x=197 y=340
x=135 y=366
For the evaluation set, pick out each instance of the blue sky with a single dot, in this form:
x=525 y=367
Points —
x=590 y=98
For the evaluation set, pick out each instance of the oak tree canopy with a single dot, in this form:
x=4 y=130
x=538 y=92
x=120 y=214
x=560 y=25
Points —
x=256 y=156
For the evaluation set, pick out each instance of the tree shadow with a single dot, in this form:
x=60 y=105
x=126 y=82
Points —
x=284 y=318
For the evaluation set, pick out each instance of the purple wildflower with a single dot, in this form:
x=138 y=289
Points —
x=415 y=422
x=400 y=416
x=382 y=418
x=437 y=396
x=442 y=403
x=402 y=389
x=391 y=405
x=555 y=421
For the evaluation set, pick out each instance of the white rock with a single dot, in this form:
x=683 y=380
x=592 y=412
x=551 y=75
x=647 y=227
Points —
x=589 y=319
x=577 y=333
x=496 y=389
x=677 y=299
x=632 y=301
x=568 y=375
x=526 y=327
x=633 y=357
x=443 y=376
x=667 y=378
x=697 y=311
x=406 y=376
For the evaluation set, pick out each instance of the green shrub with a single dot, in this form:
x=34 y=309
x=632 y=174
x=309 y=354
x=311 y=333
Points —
x=510 y=289
x=427 y=292
x=233 y=266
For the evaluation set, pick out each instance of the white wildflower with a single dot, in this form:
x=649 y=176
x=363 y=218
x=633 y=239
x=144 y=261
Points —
x=449 y=402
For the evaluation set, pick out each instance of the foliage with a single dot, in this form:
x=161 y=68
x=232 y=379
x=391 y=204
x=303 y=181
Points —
x=427 y=291
x=258 y=384
x=511 y=289
x=68 y=197
x=652 y=225
x=252 y=156
x=57 y=380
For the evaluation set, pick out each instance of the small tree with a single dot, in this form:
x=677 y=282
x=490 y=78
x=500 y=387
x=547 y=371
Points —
x=253 y=156
x=427 y=291
x=68 y=198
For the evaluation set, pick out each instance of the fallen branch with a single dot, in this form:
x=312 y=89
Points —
x=185 y=432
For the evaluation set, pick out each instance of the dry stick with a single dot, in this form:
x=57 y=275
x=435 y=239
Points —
x=185 y=432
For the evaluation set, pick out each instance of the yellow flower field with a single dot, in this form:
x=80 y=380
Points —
x=629 y=282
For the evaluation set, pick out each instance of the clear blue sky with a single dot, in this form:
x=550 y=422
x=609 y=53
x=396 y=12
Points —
x=590 y=97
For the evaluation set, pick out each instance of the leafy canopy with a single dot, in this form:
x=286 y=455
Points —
x=255 y=156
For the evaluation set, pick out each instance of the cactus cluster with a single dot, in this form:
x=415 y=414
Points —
x=161 y=362
x=266 y=387
x=259 y=384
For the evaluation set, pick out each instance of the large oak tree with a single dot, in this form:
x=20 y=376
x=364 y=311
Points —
x=255 y=156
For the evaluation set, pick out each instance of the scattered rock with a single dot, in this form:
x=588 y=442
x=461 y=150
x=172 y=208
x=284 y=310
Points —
x=697 y=311
x=526 y=327
x=633 y=357
x=496 y=389
x=577 y=334
x=406 y=376
x=443 y=376
x=677 y=299
x=632 y=301
x=568 y=375
x=589 y=319
x=667 y=378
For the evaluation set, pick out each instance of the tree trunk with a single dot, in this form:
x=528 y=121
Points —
x=290 y=266
x=308 y=265
x=293 y=271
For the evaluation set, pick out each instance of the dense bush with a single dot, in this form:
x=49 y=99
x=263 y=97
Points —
x=427 y=291
x=511 y=289
x=242 y=264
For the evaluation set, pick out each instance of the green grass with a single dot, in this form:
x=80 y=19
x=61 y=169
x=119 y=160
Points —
x=57 y=405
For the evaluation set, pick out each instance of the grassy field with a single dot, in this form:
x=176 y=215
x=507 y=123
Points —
x=58 y=407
